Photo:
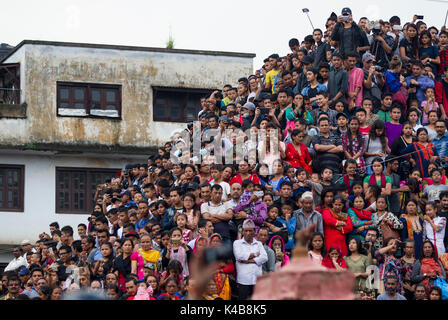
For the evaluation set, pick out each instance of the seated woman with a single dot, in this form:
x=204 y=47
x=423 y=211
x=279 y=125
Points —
x=334 y=259
x=427 y=268
x=336 y=225
x=379 y=178
x=422 y=152
x=297 y=154
x=278 y=246
x=361 y=219
x=382 y=216
x=412 y=226
x=357 y=262
x=388 y=263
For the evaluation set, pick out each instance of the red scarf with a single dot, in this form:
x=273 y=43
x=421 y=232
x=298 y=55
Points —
x=328 y=263
x=363 y=214
x=347 y=184
x=372 y=180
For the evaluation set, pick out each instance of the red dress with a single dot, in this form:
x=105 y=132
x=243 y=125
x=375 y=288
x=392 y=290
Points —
x=295 y=159
x=334 y=237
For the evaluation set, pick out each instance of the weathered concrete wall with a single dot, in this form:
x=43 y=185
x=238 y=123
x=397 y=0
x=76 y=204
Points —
x=40 y=191
x=136 y=71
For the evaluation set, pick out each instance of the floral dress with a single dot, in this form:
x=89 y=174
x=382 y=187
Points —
x=353 y=148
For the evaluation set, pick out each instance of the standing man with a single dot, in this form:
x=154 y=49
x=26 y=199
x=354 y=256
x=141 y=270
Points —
x=337 y=80
x=352 y=39
x=306 y=215
x=263 y=237
x=250 y=256
x=355 y=82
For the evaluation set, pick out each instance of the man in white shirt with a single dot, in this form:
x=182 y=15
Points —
x=18 y=261
x=250 y=256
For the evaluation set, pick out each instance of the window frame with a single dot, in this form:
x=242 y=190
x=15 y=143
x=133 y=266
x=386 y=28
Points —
x=89 y=86
x=88 y=196
x=21 y=188
x=187 y=92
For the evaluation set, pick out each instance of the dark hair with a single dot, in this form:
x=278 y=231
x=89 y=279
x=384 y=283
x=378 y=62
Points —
x=378 y=124
x=436 y=288
x=324 y=193
x=175 y=265
x=414 y=42
x=359 y=136
x=433 y=255
x=77 y=245
x=68 y=229
x=54 y=224
x=310 y=243
x=359 y=246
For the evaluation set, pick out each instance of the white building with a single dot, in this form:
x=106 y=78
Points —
x=67 y=108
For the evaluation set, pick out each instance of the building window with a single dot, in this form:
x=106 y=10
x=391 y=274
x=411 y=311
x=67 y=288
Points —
x=12 y=187
x=177 y=104
x=76 y=187
x=88 y=99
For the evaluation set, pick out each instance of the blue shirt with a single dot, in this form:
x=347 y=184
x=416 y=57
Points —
x=441 y=145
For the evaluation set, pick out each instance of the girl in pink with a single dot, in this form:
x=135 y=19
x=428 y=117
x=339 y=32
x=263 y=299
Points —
x=430 y=104
x=181 y=222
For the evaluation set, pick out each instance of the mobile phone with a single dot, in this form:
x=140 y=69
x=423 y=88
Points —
x=419 y=17
x=305 y=10
x=264 y=110
x=278 y=250
x=175 y=241
x=50 y=250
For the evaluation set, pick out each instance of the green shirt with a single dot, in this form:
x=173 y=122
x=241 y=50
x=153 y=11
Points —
x=378 y=182
x=358 y=266
x=384 y=115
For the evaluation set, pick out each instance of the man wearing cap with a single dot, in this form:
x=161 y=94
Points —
x=18 y=261
x=248 y=113
x=250 y=256
x=352 y=39
x=306 y=215
x=24 y=275
x=373 y=79
x=27 y=247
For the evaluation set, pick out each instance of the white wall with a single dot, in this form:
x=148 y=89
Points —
x=40 y=193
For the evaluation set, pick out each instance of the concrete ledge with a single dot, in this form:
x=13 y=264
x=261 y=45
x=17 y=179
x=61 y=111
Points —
x=17 y=111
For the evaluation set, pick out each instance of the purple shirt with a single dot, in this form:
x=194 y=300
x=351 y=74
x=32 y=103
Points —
x=393 y=131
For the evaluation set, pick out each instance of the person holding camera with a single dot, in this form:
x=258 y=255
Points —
x=382 y=45
x=352 y=39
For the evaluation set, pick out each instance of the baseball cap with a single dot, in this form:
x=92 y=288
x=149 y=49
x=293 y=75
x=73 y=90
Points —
x=341 y=114
x=26 y=242
x=193 y=186
x=248 y=106
x=132 y=234
x=23 y=271
x=223 y=118
x=346 y=11
x=367 y=57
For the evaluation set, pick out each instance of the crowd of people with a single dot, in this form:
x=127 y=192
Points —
x=347 y=132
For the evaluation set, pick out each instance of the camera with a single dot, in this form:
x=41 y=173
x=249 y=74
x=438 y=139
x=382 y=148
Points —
x=379 y=68
x=222 y=253
x=366 y=245
x=376 y=31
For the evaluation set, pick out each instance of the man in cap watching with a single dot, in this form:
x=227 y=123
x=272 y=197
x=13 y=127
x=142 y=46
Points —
x=248 y=113
x=352 y=39
x=250 y=256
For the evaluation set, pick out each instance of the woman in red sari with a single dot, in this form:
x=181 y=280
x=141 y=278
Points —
x=334 y=259
x=297 y=153
x=336 y=226
x=226 y=269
